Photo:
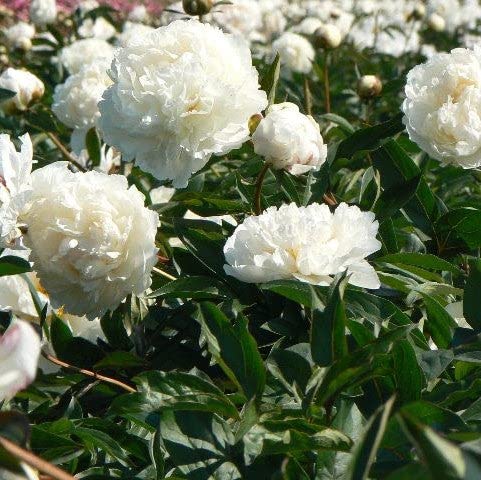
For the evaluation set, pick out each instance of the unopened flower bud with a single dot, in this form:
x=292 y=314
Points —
x=419 y=11
x=369 y=86
x=197 y=7
x=24 y=44
x=254 y=122
x=436 y=22
x=328 y=36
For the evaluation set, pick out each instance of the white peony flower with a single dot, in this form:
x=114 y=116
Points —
x=43 y=12
x=290 y=140
x=19 y=353
x=443 y=107
x=308 y=26
x=85 y=51
x=241 y=17
x=295 y=51
x=15 y=293
x=20 y=33
x=75 y=101
x=98 y=28
x=87 y=6
x=180 y=94
x=15 y=186
x=139 y=14
x=310 y=244
x=132 y=31
x=92 y=239
x=27 y=86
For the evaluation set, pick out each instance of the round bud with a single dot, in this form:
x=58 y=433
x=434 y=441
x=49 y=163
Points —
x=328 y=36
x=436 y=22
x=24 y=44
x=4 y=59
x=197 y=7
x=254 y=122
x=369 y=86
x=419 y=11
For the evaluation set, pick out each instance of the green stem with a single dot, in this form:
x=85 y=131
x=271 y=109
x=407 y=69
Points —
x=257 y=196
x=327 y=92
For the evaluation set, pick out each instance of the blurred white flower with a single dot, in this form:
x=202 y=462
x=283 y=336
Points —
x=310 y=244
x=290 y=140
x=43 y=12
x=87 y=5
x=139 y=14
x=85 y=51
x=15 y=186
x=98 y=28
x=442 y=109
x=307 y=26
x=132 y=31
x=295 y=52
x=92 y=239
x=19 y=353
x=19 y=33
x=274 y=21
x=241 y=17
x=180 y=94
x=27 y=86
x=75 y=101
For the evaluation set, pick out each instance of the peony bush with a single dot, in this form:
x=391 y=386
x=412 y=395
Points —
x=240 y=240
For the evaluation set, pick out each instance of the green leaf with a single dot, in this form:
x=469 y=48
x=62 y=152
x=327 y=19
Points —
x=10 y=265
x=442 y=458
x=328 y=331
x=199 y=444
x=424 y=260
x=192 y=287
x=270 y=79
x=289 y=437
x=408 y=374
x=5 y=94
x=160 y=391
x=471 y=301
x=396 y=168
x=394 y=198
x=234 y=349
x=369 y=138
x=92 y=141
x=460 y=225
x=294 y=290
x=440 y=324
x=364 y=452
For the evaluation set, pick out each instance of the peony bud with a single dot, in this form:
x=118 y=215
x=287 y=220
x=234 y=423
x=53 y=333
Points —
x=27 y=86
x=24 y=44
x=197 y=7
x=328 y=36
x=254 y=122
x=369 y=86
x=419 y=11
x=19 y=354
x=436 y=22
